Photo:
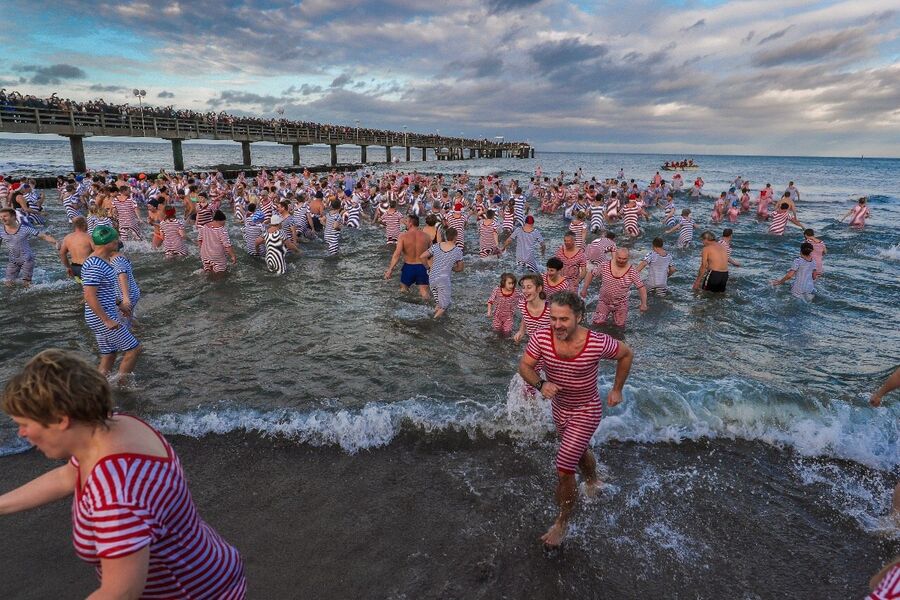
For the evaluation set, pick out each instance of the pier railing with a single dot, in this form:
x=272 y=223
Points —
x=77 y=125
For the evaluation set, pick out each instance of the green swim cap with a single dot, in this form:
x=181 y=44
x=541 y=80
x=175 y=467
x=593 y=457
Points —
x=104 y=234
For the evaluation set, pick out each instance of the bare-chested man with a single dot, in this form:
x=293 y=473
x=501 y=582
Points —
x=75 y=248
x=412 y=243
x=713 y=273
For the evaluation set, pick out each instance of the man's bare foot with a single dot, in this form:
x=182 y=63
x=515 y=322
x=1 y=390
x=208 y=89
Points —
x=555 y=535
x=591 y=487
x=439 y=313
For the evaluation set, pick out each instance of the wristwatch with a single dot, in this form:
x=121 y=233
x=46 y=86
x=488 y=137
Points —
x=539 y=384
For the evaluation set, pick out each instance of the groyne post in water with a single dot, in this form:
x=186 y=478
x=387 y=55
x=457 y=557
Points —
x=333 y=154
x=408 y=149
x=76 y=143
x=177 y=154
x=387 y=150
x=245 y=154
x=424 y=154
x=362 y=154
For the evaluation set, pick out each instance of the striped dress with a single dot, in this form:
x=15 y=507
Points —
x=213 y=244
x=576 y=407
x=392 y=220
x=121 y=265
x=252 y=232
x=487 y=238
x=779 y=222
x=173 y=243
x=458 y=220
x=126 y=214
x=686 y=233
x=572 y=266
x=579 y=228
x=132 y=501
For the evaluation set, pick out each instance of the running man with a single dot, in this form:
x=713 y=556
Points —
x=16 y=235
x=447 y=257
x=411 y=244
x=75 y=248
x=713 y=272
x=570 y=357
x=526 y=238
x=574 y=261
x=100 y=283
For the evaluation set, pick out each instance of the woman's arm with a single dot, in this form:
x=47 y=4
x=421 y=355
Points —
x=123 y=578
x=52 y=485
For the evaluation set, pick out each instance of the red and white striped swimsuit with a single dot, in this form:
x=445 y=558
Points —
x=889 y=588
x=127 y=218
x=392 y=222
x=779 y=222
x=571 y=266
x=213 y=242
x=576 y=407
x=533 y=323
x=173 y=243
x=600 y=251
x=550 y=289
x=458 y=222
x=486 y=240
x=579 y=229
x=132 y=501
x=504 y=309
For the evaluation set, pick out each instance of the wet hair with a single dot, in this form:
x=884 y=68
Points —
x=610 y=235
x=392 y=204
x=570 y=234
x=414 y=219
x=431 y=220
x=58 y=383
x=335 y=204
x=685 y=212
x=504 y=277
x=784 y=205
x=862 y=200
x=251 y=208
x=786 y=194
x=806 y=248
x=489 y=214
x=79 y=223
x=658 y=242
x=450 y=234
x=570 y=299
x=708 y=235
x=219 y=216
x=809 y=232
x=580 y=214
x=537 y=281
x=727 y=232
x=554 y=263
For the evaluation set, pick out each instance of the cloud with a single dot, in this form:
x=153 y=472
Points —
x=340 y=81
x=698 y=25
x=502 y=6
x=551 y=57
x=774 y=36
x=230 y=98
x=846 y=43
x=52 y=74
x=746 y=39
x=165 y=94
x=486 y=66
x=98 y=87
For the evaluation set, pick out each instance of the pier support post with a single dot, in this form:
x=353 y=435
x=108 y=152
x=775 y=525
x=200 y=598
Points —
x=333 y=154
x=424 y=154
x=532 y=153
x=177 y=154
x=362 y=154
x=76 y=143
x=245 y=151
x=295 y=154
x=387 y=151
x=408 y=149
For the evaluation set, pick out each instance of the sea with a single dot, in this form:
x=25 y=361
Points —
x=754 y=390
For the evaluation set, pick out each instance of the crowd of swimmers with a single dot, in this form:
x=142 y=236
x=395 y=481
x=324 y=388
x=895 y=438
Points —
x=430 y=222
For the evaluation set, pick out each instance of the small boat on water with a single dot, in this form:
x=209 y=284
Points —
x=686 y=168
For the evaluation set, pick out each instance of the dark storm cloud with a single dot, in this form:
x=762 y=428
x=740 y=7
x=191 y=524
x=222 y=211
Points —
x=97 y=87
x=698 y=25
x=774 y=36
x=552 y=57
x=849 y=43
x=52 y=74
x=165 y=94
x=340 y=81
x=501 y=6
x=487 y=66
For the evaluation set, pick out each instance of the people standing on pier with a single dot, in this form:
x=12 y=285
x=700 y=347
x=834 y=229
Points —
x=75 y=249
x=20 y=256
x=570 y=355
x=101 y=311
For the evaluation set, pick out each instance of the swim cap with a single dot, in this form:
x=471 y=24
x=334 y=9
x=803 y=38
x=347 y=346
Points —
x=529 y=219
x=497 y=199
x=457 y=206
x=79 y=178
x=170 y=212
x=104 y=234
x=276 y=219
x=142 y=176
x=258 y=217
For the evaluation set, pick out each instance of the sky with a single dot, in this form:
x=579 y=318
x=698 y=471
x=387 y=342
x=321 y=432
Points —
x=772 y=77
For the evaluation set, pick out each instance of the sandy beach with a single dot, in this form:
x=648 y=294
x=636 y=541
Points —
x=455 y=518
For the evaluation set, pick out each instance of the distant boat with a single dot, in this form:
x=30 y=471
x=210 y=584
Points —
x=671 y=168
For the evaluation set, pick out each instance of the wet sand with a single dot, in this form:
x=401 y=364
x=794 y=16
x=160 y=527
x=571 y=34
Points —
x=447 y=517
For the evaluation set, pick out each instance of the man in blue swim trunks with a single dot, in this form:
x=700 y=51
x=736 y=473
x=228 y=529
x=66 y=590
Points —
x=411 y=244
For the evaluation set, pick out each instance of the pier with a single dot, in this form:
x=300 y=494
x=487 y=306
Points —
x=77 y=126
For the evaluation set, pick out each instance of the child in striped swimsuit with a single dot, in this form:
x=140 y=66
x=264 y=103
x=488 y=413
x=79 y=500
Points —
x=579 y=228
x=502 y=304
x=171 y=230
x=686 y=226
x=332 y=232
x=488 y=240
